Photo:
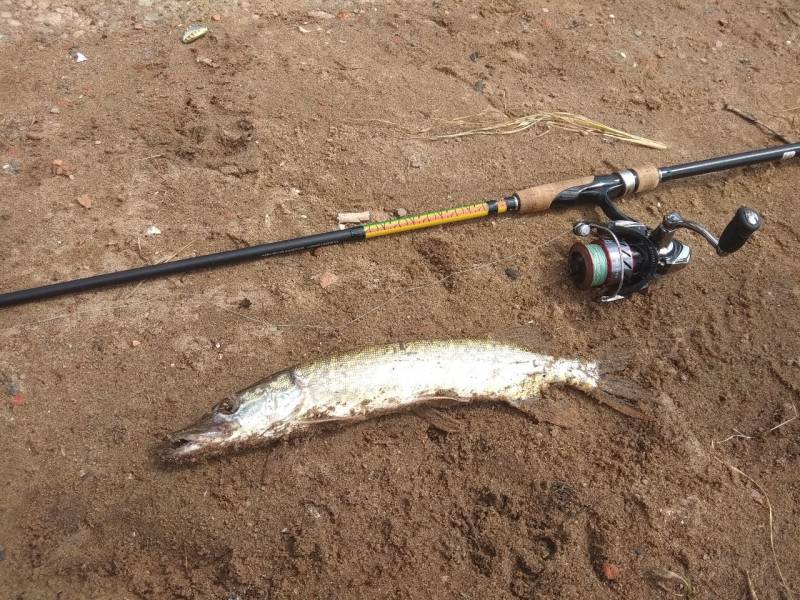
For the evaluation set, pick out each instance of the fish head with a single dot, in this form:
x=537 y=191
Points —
x=209 y=435
x=257 y=414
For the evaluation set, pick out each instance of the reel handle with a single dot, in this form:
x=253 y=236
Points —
x=745 y=223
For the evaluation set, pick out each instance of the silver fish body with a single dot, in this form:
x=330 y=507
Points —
x=377 y=380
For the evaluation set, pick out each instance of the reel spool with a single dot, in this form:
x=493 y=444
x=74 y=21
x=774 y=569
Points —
x=627 y=256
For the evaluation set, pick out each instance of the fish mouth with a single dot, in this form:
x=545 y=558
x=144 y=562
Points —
x=207 y=436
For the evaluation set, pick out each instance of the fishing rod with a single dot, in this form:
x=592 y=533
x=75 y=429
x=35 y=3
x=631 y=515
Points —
x=588 y=269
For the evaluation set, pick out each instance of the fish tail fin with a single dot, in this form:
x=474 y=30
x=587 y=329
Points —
x=617 y=392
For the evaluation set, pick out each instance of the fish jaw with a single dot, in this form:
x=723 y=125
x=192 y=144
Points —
x=210 y=435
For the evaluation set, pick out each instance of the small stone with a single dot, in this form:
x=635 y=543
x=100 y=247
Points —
x=638 y=33
x=138 y=26
x=718 y=44
x=84 y=200
x=55 y=110
x=207 y=61
x=320 y=14
x=660 y=54
x=302 y=29
x=135 y=343
x=512 y=273
x=401 y=212
x=545 y=10
x=611 y=571
x=152 y=230
x=245 y=303
x=59 y=167
x=327 y=279
x=216 y=17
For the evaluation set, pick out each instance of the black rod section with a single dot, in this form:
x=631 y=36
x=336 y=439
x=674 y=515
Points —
x=187 y=264
x=721 y=163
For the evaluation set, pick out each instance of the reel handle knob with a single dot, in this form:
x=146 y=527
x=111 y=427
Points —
x=745 y=223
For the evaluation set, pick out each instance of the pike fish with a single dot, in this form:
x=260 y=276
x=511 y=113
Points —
x=378 y=380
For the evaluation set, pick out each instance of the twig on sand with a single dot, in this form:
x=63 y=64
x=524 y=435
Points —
x=750 y=589
x=163 y=260
x=736 y=434
x=661 y=576
x=751 y=119
x=786 y=422
x=561 y=120
x=771 y=527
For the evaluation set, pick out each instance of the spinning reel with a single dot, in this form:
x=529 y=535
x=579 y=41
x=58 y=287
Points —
x=627 y=256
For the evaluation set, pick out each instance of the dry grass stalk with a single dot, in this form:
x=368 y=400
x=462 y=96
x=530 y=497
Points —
x=561 y=120
x=663 y=576
x=750 y=589
x=771 y=527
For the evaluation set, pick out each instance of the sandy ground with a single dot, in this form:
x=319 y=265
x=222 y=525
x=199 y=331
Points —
x=291 y=124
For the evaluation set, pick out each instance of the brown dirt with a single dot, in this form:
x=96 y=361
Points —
x=275 y=141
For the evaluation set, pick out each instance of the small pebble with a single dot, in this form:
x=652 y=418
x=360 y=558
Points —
x=401 y=212
x=85 y=200
x=55 y=110
x=611 y=571
x=135 y=343
x=638 y=33
x=138 y=26
x=327 y=279
x=245 y=303
x=512 y=273
x=152 y=230
x=216 y=17
x=320 y=14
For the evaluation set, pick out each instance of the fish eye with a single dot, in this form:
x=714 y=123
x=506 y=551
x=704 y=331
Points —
x=227 y=407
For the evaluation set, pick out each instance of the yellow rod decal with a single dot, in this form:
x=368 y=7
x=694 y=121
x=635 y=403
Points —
x=431 y=219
